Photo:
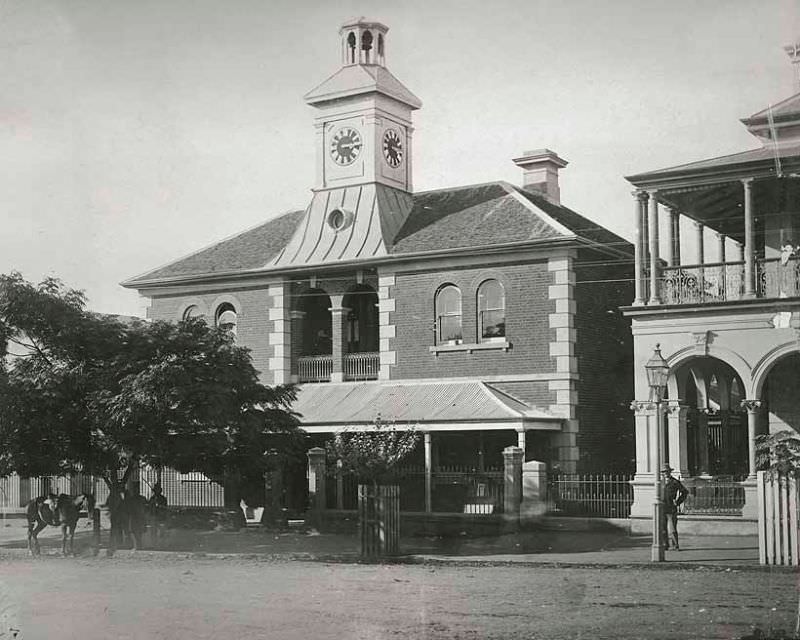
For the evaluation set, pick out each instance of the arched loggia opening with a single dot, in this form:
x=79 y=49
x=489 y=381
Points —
x=716 y=425
x=312 y=328
x=780 y=402
x=361 y=357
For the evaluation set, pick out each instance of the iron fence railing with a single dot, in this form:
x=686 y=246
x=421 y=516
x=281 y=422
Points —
x=452 y=490
x=314 y=368
x=716 y=496
x=361 y=366
x=602 y=495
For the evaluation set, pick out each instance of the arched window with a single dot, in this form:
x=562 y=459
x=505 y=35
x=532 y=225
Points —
x=448 y=315
x=380 y=45
x=351 y=47
x=226 y=317
x=491 y=312
x=192 y=311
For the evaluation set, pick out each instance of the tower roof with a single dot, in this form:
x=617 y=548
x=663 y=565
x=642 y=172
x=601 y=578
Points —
x=361 y=79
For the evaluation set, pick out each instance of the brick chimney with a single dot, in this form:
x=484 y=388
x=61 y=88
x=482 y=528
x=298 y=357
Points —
x=540 y=172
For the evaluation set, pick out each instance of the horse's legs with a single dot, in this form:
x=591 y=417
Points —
x=33 y=540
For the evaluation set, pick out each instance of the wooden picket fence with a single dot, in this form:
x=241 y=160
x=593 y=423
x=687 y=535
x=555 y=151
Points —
x=379 y=517
x=778 y=519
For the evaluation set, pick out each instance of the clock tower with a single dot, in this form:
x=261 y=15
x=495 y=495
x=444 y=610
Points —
x=362 y=196
x=364 y=115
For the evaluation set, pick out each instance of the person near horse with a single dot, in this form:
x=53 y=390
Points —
x=118 y=516
x=135 y=506
x=673 y=494
x=157 y=506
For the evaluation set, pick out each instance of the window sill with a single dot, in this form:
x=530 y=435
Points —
x=469 y=348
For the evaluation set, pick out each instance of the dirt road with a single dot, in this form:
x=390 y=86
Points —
x=171 y=597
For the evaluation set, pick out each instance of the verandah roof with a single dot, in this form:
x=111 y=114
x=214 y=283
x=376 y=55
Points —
x=438 y=406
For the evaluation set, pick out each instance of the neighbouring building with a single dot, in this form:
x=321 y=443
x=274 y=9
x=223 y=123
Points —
x=717 y=285
x=483 y=315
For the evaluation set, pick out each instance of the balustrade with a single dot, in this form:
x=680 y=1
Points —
x=314 y=368
x=361 y=366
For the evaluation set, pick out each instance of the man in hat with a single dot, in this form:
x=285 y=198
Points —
x=157 y=505
x=673 y=494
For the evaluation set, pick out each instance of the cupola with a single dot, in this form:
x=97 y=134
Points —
x=363 y=42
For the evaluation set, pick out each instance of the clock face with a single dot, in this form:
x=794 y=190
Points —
x=345 y=146
x=392 y=148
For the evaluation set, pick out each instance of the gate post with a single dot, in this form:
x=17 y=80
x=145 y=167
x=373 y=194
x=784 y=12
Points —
x=316 y=483
x=512 y=479
x=534 y=489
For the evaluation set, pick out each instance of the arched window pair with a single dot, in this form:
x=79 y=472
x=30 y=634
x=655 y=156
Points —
x=224 y=317
x=491 y=313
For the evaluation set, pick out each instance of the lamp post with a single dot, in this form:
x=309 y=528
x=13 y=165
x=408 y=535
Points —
x=657 y=373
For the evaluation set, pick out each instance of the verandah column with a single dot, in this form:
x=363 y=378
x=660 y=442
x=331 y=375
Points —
x=753 y=408
x=677 y=438
x=749 y=244
x=428 y=472
x=655 y=297
x=638 y=246
x=675 y=233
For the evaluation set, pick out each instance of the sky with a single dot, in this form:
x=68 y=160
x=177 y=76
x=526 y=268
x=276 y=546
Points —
x=136 y=132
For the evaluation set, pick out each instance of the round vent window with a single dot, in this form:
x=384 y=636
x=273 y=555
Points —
x=339 y=219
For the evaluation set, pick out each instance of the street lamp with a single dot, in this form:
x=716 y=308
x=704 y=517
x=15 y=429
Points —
x=657 y=374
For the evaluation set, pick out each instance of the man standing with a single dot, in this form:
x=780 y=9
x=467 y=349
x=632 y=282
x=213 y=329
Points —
x=157 y=505
x=674 y=493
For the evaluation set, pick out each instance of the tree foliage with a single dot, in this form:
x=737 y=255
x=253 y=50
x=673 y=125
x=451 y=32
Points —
x=778 y=453
x=81 y=391
x=372 y=455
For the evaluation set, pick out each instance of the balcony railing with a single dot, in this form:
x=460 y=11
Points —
x=314 y=368
x=361 y=366
x=776 y=280
x=723 y=282
x=699 y=283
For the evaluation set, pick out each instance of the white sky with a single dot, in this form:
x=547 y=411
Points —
x=136 y=131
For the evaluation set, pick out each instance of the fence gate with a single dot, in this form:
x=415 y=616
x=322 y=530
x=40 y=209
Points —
x=777 y=519
x=379 y=519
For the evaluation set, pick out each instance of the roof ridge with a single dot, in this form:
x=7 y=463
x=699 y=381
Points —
x=514 y=191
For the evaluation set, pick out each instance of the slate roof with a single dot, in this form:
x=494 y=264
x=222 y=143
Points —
x=340 y=405
x=482 y=215
x=246 y=251
x=362 y=78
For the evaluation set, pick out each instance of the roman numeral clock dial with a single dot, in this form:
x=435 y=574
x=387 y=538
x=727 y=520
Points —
x=345 y=146
x=392 y=148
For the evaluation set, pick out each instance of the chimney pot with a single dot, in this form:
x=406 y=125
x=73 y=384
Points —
x=540 y=172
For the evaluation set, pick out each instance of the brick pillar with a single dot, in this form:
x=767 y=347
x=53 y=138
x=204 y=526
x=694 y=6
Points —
x=297 y=319
x=512 y=458
x=339 y=341
x=316 y=481
x=534 y=489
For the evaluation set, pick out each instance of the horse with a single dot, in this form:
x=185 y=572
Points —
x=56 y=510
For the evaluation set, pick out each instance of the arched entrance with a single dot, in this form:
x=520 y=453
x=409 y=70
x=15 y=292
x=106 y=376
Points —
x=716 y=424
x=780 y=400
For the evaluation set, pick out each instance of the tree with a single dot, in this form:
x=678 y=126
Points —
x=85 y=392
x=372 y=455
x=778 y=453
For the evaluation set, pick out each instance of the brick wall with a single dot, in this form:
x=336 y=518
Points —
x=604 y=350
x=252 y=318
x=527 y=326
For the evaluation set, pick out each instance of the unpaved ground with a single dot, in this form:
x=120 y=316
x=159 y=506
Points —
x=166 y=596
